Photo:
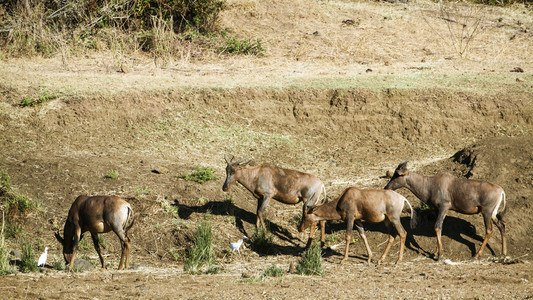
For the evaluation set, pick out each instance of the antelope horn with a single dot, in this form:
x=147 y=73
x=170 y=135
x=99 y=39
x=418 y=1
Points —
x=242 y=160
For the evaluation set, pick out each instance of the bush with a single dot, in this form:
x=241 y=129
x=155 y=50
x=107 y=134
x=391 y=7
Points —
x=311 y=261
x=201 y=175
x=201 y=253
x=27 y=260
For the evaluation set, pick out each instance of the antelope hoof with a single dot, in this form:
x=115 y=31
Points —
x=342 y=261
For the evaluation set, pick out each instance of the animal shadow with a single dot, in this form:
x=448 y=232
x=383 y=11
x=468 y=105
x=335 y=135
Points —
x=453 y=227
x=227 y=208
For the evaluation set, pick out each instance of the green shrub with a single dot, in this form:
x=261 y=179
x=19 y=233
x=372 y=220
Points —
x=311 y=261
x=200 y=175
x=201 y=252
x=273 y=271
x=27 y=260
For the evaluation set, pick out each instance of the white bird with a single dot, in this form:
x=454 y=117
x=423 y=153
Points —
x=237 y=245
x=42 y=259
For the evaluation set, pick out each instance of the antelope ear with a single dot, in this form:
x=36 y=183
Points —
x=402 y=168
x=59 y=238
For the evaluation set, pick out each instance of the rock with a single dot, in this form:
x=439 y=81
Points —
x=82 y=265
x=125 y=69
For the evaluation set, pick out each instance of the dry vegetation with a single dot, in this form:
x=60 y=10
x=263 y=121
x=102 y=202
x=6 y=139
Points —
x=344 y=90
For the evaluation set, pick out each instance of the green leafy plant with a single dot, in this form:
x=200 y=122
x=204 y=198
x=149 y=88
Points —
x=200 y=175
x=113 y=174
x=201 y=252
x=27 y=260
x=311 y=261
x=273 y=271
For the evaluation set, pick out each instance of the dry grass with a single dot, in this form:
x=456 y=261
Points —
x=308 y=45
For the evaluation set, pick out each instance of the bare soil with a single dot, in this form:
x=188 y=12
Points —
x=346 y=112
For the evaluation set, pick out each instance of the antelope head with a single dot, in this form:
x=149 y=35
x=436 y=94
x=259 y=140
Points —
x=398 y=178
x=232 y=167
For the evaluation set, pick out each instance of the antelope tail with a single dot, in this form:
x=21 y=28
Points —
x=129 y=220
x=499 y=215
x=414 y=217
x=324 y=190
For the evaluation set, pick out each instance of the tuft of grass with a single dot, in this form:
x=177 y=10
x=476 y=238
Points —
x=201 y=252
x=13 y=201
x=27 y=260
x=236 y=46
x=5 y=268
x=58 y=265
x=273 y=271
x=296 y=219
x=169 y=208
x=229 y=206
x=113 y=174
x=200 y=175
x=311 y=261
x=14 y=231
x=142 y=191
x=261 y=241
x=29 y=101
x=85 y=244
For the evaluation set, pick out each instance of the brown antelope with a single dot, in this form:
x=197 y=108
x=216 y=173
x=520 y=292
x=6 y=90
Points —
x=445 y=192
x=355 y=205
x=268 y=181
x=97 y=214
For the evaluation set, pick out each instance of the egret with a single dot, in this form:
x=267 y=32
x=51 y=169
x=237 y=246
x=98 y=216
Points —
x=42 y=259
x=237 y=245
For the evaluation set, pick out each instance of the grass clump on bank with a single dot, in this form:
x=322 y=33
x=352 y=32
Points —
x=200 y=175
x=27 y=260
x=5 y=268
x=201 y=253
x=311 y=261
x=12 y=201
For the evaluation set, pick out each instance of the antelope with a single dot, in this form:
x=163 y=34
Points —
x=370 y=205
x=268 y=181
x=445 y=192
x=97 y=214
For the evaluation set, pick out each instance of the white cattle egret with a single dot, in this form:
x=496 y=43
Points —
x=237 y=245
x=42 y=259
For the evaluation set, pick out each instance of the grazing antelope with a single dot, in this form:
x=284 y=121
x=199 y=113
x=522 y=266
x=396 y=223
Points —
x=445 y=192
x=268 y=181
x=355 y=205
x=97 y=214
